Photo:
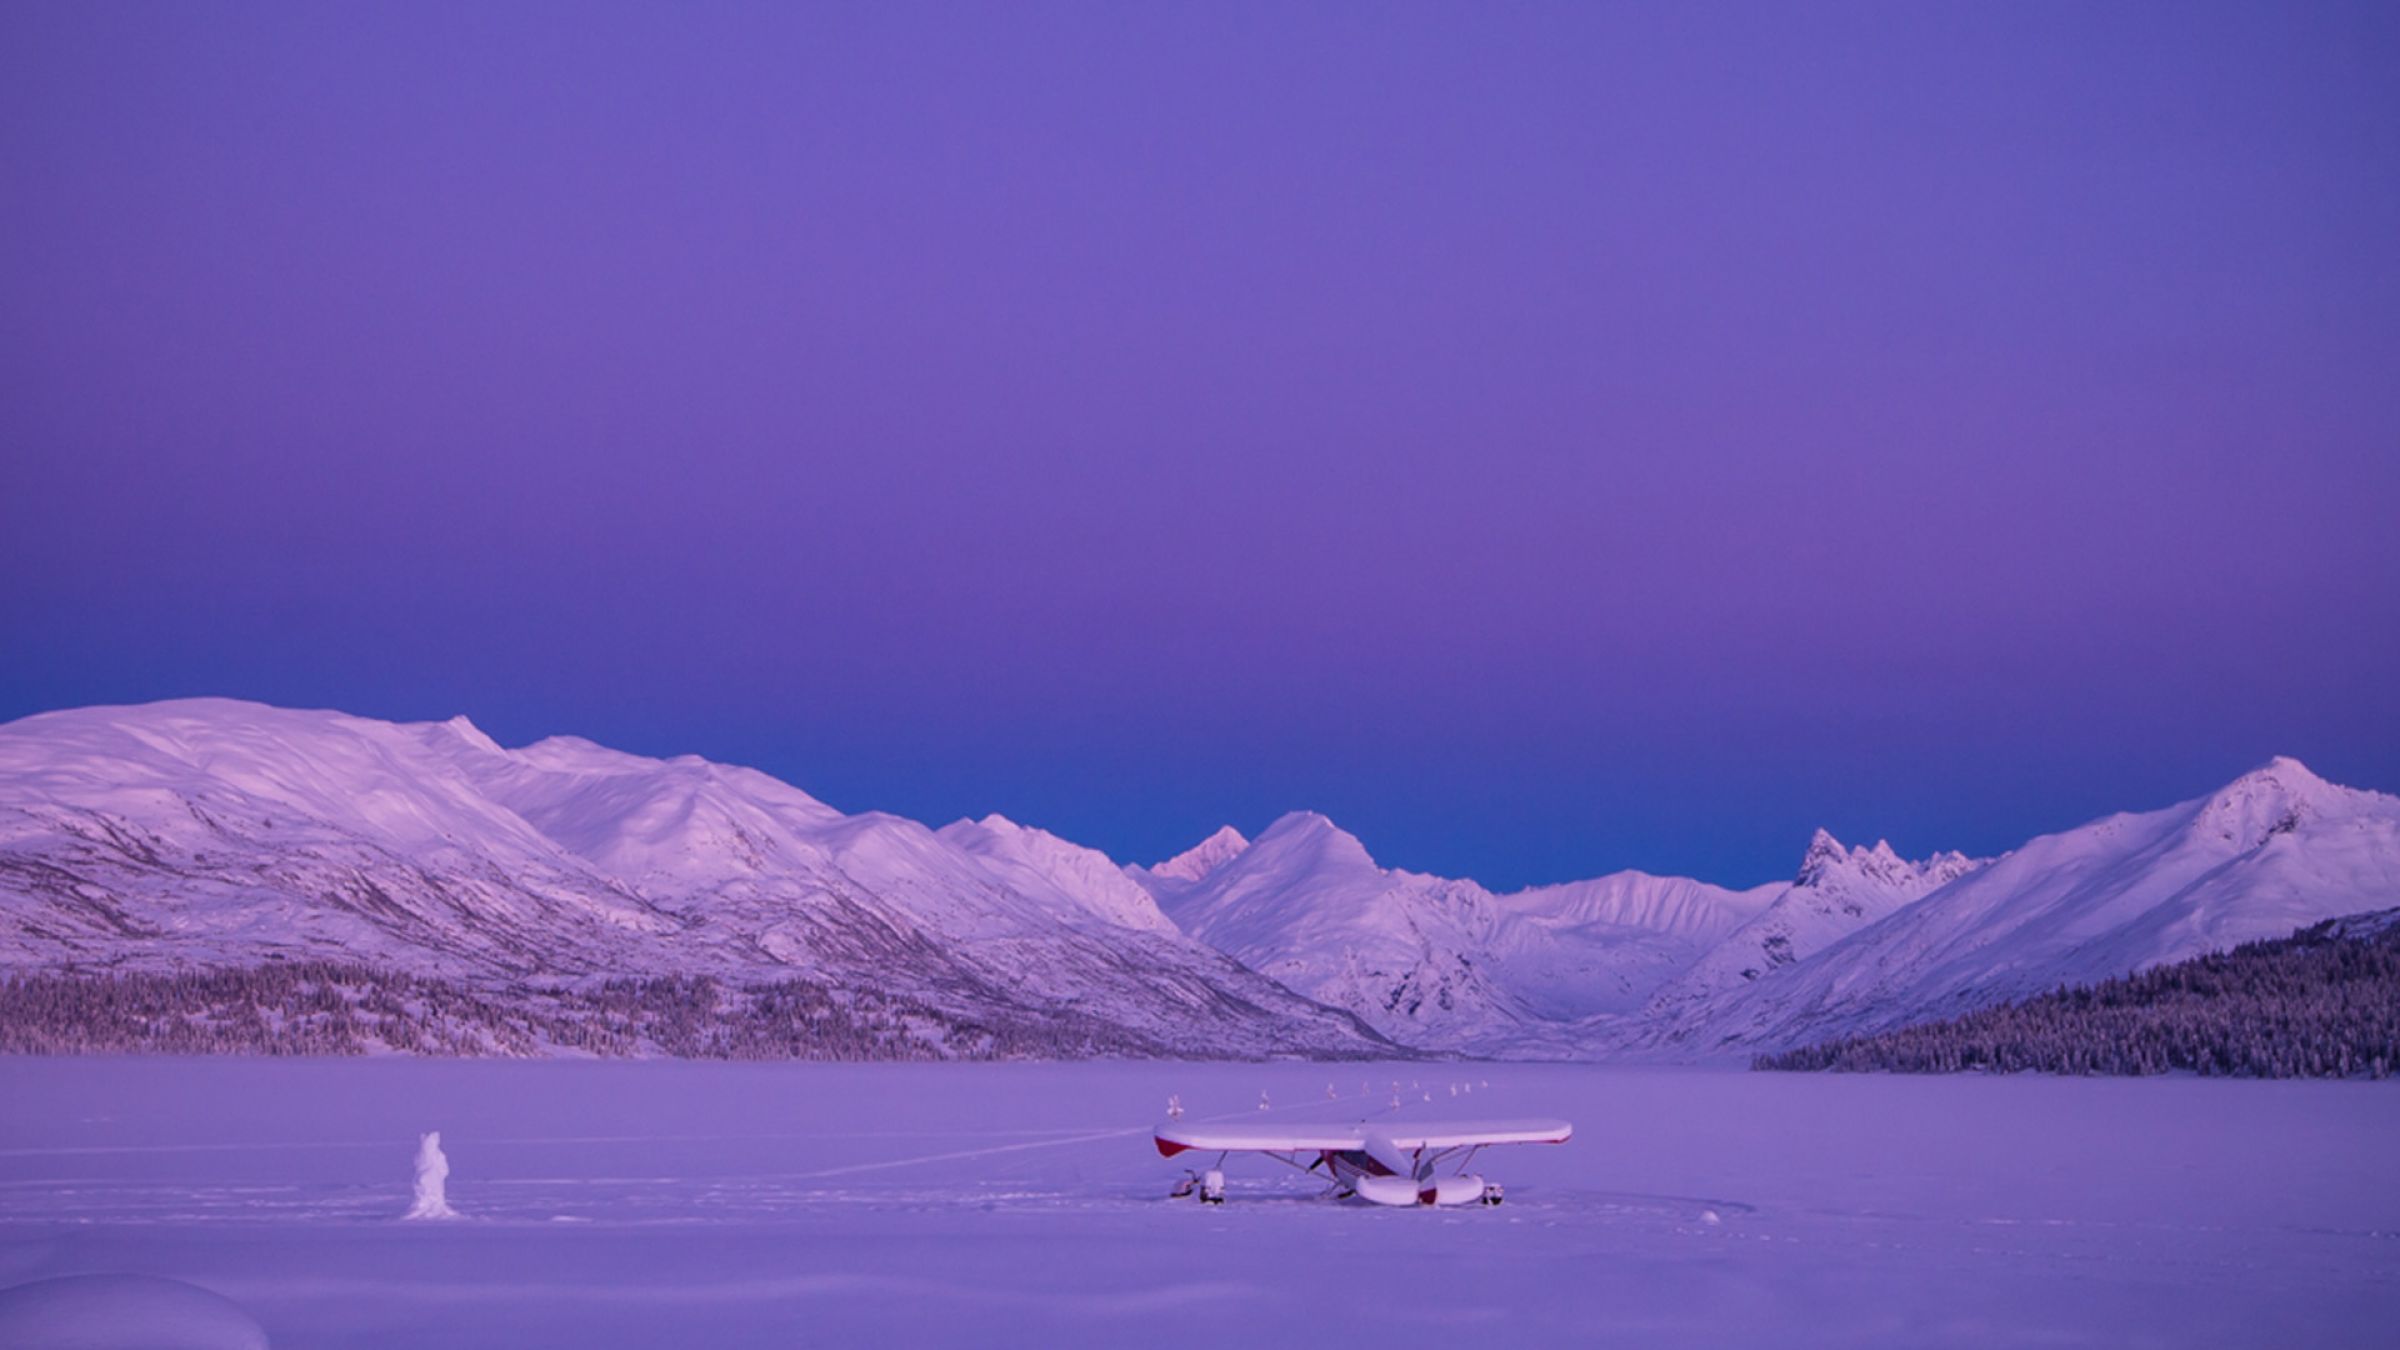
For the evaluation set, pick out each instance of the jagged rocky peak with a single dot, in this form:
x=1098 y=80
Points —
x=1828 y=861
x=1827 y=855
x=1204 y=857
x=1947 y=866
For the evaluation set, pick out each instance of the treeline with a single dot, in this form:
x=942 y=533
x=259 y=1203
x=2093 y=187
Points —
x=2322 y=1003
x=335 y=1008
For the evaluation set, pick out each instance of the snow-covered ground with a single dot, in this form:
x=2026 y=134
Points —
x=664 y=1203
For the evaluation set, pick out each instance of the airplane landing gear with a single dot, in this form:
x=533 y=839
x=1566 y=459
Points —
x=1491 y=1193
x=1209 y=1186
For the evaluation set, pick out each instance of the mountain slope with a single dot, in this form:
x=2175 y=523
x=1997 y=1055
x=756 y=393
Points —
x=1675 y=905
x=2322 y=1003
x=1306 y=905
x=1601 y=948
x=212 y=833
x=2275 y=850
x=1446 y=963
x=1194 y=863
x=1838 y=891
x=1080 y=885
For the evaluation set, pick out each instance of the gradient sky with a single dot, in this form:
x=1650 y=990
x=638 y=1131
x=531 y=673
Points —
x=1546 y=439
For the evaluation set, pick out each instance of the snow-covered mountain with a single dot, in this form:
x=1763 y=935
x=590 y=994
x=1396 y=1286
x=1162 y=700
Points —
x=1445 y=963
x=212 y=834
x=1193 y=865
x=1601 y=948
x=1306 y=905
x=2277 y=849
x=1080 y=885
x=1675 y=905
x=1861 y=938
x=1837 y=892
x=216 y=833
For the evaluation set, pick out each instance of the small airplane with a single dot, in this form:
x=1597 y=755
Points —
x=1396 y=1164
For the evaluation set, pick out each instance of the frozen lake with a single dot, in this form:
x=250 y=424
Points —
x=651 y=1204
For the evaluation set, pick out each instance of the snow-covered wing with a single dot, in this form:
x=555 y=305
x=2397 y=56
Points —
x=1299 y=1137
x=1175 y=1137
x=1471 y=1133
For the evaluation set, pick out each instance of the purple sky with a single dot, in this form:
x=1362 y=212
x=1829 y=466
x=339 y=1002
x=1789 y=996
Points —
x=1545 y=439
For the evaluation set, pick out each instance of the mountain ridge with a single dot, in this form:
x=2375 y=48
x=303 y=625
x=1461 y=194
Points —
x=209 y=833
x=2276 y=850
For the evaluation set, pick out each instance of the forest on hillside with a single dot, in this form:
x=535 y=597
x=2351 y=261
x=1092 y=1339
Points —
x=2322 y=1003
x=338 y=1008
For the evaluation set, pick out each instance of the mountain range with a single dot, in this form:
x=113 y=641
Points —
x=211 y=834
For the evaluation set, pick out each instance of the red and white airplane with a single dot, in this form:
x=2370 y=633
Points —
x=1395 y=1164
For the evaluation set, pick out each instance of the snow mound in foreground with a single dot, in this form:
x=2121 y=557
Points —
x=433 y=1175
x=123 y=1312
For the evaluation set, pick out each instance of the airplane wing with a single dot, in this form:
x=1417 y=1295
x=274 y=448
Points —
x=1438 y=1134
x=1409 y=1136
x=1175 y=1136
